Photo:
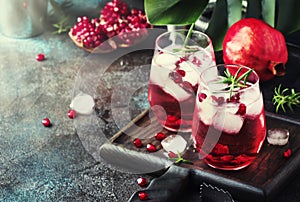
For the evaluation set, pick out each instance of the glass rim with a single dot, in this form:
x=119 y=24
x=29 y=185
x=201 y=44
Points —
x=209 y=41
x=254 y=84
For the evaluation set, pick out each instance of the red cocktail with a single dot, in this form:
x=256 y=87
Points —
x=174 y=77
x=229 y=124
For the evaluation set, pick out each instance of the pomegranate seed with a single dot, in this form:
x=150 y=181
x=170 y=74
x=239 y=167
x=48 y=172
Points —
x=137 y=142
x=226 y=158
x=181 y=59
x=71 y=114
x=242 y=109
x=235 y=98
x=142 y=181
x=287 y=153
x=202 y=96
x=195 y=88
x=181 y=72
x=176 y=77
x=143 y=196
x=160 y=136
x=151 y=147
x=171 y=118
x=172 y=155
x=188 y=86
x=40 y=57
x=219 y=100
x=221 y=149
x=46 y=122
x=196 y=61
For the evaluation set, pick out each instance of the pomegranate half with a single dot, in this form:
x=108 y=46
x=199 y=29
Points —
x=254 y=43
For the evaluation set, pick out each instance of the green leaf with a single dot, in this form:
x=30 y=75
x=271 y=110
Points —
x=218 y=24
x=174 y=12
x=288 y=19
x=254 y=9
x=268 y=11
x=234 y=8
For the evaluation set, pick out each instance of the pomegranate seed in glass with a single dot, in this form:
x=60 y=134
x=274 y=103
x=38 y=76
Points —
x=229 y=125
x=174 y=76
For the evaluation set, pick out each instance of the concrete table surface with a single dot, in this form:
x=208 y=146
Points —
x=39 y=163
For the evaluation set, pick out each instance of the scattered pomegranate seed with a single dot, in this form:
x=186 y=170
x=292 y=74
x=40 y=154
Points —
x=160 y=136
x=137 y=142
x=40 y=57
x=287 y=153
x=71 y=114
x=46 y=122
x=142 y=181
x=242 y=109
x=143 y=196
x=201 y=96
x=172 y=155
x=151 y=147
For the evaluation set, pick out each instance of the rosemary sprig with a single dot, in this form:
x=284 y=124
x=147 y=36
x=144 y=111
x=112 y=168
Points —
x=62 y=26
x=235 y=81
x=282 y=98
x=59 y=15
x=180 y=159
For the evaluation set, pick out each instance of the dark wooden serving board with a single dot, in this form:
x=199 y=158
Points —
x=260 y=181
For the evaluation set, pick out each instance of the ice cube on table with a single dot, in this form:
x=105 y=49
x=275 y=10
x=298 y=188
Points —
x=278 y=136
x=174 y=143
x=83 y=104
x=166 y=60
x=206 y=110
x=227 y=122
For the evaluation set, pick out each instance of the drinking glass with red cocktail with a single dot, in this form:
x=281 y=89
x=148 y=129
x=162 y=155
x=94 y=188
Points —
x=176 y=66
x=229 y=124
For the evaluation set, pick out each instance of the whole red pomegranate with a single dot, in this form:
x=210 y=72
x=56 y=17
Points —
x=253 y=43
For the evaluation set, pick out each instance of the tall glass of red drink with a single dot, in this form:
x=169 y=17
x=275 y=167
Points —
x=229 y=125
x=175 y=69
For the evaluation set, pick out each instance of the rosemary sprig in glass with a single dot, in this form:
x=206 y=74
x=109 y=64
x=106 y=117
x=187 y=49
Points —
x=235 y=81
x=282 y=98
